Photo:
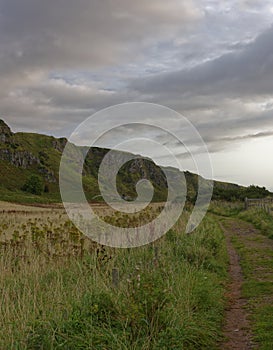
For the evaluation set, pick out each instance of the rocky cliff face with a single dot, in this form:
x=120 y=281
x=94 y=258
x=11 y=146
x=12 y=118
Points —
x=48 y=174
x=59 y=144
x=11 y=152
x=5 y=132
x=147 y=169
x=23 y=159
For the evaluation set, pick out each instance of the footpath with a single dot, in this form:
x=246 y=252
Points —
x=249 y=314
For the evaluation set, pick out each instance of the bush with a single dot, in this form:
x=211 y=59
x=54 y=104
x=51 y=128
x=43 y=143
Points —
x=33 y=185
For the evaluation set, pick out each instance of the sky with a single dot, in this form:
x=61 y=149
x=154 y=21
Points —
x=212 y=61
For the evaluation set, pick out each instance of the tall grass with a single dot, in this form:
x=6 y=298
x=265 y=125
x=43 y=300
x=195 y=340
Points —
x=224 y=208
x=262 y=220
x=169 y=296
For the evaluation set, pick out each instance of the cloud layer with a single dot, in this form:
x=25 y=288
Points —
x=60 y=61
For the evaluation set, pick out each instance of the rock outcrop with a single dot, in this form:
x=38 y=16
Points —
x=5 y=132
x=22 y=159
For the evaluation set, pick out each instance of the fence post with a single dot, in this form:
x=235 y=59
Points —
x=246 y=203
x=156 y=256
x=115 y=277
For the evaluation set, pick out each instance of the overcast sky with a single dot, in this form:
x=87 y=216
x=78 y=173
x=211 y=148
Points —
x=210 y=60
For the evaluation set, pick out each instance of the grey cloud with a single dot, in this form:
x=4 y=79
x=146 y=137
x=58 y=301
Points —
x=67 y=34
x=249 y=136
x=41 y=38
x=226 y=67
x=219 y=96
x=245 y=72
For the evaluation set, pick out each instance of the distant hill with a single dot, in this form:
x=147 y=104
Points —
x=25 y=156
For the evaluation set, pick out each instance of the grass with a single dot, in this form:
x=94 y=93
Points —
x=226 y=209
x=57 y=290
x=260 y=219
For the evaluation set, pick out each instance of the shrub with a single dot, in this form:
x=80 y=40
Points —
x=33 y=185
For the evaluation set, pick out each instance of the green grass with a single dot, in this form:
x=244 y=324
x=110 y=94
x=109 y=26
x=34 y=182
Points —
x=226 y=209
x=260 y=219
x=21 y=197
x=264 y=321
x=172 y=299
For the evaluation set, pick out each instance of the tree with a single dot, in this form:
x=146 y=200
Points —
x=33 y=185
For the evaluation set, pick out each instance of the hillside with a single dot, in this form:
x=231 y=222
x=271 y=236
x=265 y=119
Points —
x=25 y=154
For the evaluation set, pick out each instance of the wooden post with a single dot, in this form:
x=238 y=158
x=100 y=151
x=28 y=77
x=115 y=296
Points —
x=246 y=203
x=156 y=255
x=156 y=252
x=115 y=277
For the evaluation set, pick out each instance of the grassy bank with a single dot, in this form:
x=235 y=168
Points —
x=169 y=294
x=261 y=219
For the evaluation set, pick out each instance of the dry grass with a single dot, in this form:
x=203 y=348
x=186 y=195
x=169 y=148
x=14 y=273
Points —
x=57 y=291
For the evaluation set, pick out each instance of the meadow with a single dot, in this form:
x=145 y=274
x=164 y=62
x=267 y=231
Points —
x=60 y=290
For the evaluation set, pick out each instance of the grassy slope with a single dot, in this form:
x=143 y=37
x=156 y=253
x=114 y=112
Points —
x=49 y=149
x=13 y=178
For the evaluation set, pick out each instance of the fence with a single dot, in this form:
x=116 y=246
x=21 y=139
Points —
x=261 y=203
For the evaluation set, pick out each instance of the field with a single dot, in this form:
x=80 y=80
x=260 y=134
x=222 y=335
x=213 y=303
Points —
x=60 y=290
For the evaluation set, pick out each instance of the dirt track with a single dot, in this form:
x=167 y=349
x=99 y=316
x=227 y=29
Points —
x=236 y=330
